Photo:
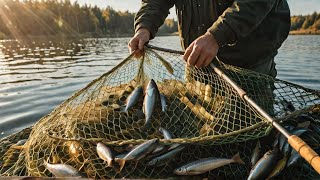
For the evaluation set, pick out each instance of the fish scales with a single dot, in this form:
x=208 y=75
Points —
x=204 y=165
x=134 y=97
x=150 y=100
x=62 y=170
x=138 y=152
x=105 y=153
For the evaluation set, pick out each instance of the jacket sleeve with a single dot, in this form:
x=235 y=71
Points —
x=240 y=19
x=152 y=15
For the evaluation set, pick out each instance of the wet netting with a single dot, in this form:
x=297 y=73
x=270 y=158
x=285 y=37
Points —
x=201 y=111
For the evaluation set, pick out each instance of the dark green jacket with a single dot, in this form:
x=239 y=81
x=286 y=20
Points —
x=249 y=32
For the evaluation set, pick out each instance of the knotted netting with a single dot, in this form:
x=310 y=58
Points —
x=202 y=110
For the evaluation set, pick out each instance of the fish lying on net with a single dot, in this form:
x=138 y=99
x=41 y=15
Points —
x=282 y=160
x=204 y=114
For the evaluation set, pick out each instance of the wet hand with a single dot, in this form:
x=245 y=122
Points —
x=201 y=51
x=136 y=43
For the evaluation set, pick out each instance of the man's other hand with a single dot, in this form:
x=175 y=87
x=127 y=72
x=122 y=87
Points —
x=201 y=51
x=139 y=39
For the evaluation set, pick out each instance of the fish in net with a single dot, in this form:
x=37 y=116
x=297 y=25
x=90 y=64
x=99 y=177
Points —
x=202 y=111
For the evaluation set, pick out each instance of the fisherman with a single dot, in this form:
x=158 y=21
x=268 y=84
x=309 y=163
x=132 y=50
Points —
x=243 y=33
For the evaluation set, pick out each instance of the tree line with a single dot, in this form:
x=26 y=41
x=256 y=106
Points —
x=307 y=22
x=20 y=18
x=55 y=17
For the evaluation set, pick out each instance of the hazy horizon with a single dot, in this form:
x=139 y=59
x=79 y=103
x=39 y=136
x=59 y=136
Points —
x=297 y=7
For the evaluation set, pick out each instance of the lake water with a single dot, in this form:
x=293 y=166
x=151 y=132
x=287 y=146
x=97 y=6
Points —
x=35 y=77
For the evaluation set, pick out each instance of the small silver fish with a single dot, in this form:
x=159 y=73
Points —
x=159 y=149
x=278 y=167
x=294 y=158
x=105 y=153
x=166 y=133
x=150 y=100
x=256 y=155
x=163 y=101
x=165 y=158
x=119 y=156
x=204 y=165
x=138 y=152
x=134 y=97
x=21 y=142
x=265 y=165
x=62 y=170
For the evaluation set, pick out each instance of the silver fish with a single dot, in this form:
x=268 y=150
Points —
x=204 y=165
x=265 y=165
x=105 y=153
x=159 y=149
x=62 y=170
x=119 y=156
x=294 y=158
x=281 y=164
x=163 y=101
x=138 y=152
x=21 y=142
x=150 y=100
x=166 y=133
x=165 y=158
x=134 y=97
x=256 y=155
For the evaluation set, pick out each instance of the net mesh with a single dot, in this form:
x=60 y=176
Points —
x=203 y=111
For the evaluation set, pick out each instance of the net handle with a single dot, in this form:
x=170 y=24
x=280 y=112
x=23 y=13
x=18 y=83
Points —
x=297 y=143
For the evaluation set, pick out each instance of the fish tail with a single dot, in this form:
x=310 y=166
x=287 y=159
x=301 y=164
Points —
x=237 y=159
x=121 y=163
x=124 y=109
x=110 y=163
x=147 y=125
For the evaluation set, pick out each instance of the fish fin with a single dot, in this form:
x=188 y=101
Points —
x=110 y=163
x=17 y=147
x=121 y=163
x=259 y=144
x=237 y=159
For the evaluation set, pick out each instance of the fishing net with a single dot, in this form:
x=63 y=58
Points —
x=203 y=111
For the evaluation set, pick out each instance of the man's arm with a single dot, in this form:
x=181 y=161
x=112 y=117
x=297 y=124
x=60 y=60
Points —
x=152 y=15
x=237 y=21
x=147 y=21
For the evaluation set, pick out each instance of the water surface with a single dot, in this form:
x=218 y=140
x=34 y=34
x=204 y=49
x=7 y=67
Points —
x=35 y=77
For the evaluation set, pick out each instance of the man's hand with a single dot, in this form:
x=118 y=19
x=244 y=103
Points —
x=139 y=39
x=201 y=51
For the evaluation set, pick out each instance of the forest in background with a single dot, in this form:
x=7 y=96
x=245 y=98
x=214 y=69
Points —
x=308 y=24
x=51 y=18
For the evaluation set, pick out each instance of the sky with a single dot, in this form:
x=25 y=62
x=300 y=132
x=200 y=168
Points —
x=297 y=7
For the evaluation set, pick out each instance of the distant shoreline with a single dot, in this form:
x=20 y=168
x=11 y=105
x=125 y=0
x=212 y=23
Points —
x=305 y=32
x=81 y=36
x=84 y=36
